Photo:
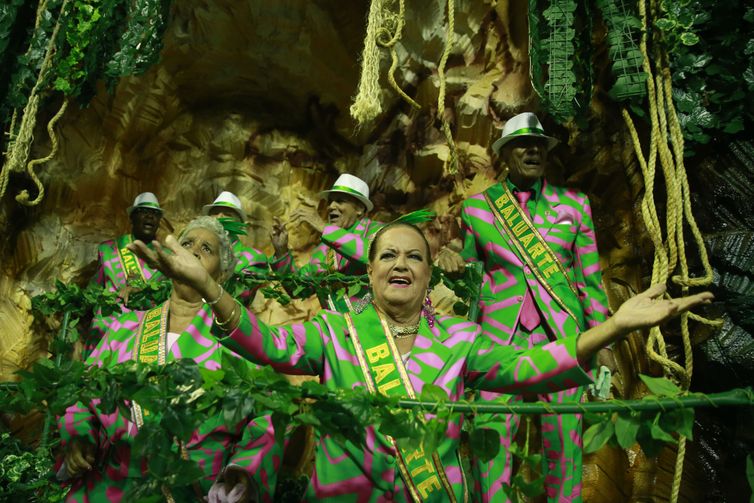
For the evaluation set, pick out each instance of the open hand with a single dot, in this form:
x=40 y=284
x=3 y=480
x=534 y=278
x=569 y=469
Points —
x=279 y=237
x=175 y=262
x=649 y=308
x=309 y=216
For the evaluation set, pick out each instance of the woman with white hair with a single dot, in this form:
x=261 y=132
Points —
x=98 y=457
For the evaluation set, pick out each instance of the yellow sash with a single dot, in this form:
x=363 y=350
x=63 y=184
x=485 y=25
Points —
x=129 y=261
x=531 y=247
x=150 y=346
x=385 y=373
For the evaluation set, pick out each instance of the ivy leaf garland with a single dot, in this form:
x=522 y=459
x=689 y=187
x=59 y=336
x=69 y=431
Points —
x=712 y=62
x=624 y=29
x=650 y=429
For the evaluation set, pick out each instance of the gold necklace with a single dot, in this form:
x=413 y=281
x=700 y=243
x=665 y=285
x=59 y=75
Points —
x=403 y=332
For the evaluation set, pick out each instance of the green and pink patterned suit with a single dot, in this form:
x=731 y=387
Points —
x=249 y=262
x=563 y=217
x=112 y=276
x=110 y=273
x=452 y=355
x=341 y=250
x=250 y=445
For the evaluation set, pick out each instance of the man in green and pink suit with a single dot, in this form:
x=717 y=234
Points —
x=116 y=265
x=542 y=283
x=118 y=269
x=345 y=238
x=98 y=447
x=249 y=260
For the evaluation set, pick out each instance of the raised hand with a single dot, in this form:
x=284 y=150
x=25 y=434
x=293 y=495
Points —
x=175 y=262
x=644 y=310
x=309 y=216
x=450 y=261
x=279 y=237
x=649 y=308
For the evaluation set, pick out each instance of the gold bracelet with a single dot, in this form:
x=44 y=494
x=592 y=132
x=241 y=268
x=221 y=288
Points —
x=223 y=324
x=219 y=296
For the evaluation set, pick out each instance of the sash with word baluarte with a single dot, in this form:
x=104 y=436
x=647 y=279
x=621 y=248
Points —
x=150 y=346
x=385 y=373
x=128 y=260
x=533 y=250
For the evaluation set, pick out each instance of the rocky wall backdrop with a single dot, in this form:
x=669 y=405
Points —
x=253 y=97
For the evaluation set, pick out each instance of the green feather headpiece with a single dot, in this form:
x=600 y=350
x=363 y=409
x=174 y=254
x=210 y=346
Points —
x=232 y=226
x=415 y=217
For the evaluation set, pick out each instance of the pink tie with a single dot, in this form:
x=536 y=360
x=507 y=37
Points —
x=529 y=315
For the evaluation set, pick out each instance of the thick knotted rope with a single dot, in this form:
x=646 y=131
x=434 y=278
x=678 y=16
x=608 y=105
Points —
x=384 y=29
x=671 y=253
x=449 y=35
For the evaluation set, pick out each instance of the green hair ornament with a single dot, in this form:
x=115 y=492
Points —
x=232 y=226
x=415 y=217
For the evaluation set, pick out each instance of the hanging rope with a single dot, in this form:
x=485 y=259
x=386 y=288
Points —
x=389 y=43
x=672 y=252
x=449 y=35
x=19 y=145
x=384 y=29
x=23 y=197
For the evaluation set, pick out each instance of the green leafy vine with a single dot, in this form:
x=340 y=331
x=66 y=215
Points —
x=711 y=51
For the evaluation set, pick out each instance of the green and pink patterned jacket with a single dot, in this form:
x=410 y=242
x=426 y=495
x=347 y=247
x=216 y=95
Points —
x=452 y=355
x=250 y=445
x=249 y=261
x=341 y=250
x=110 y=273
x=563 y=217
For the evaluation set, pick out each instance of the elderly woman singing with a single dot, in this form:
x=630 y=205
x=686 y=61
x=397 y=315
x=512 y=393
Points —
x=396 y=347
x=98 y=458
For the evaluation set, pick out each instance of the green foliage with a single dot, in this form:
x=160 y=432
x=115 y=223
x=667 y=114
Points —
x=25 y=473
x=23 y=72
x=141 y=41
x=8 y=13
x=466 y=287
x=651 y=429
x=233 y=226
x=97 y=39
x=623 y=32
x=560 y=53
x=523 y=487
x=711 y=50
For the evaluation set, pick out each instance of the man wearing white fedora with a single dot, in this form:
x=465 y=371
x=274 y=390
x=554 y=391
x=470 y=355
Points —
x=345 y=237
x=117 y=266
x=118 y=269
x=543 y=282
x=227 y=208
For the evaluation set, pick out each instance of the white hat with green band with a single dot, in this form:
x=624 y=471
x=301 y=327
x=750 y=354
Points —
x=524 y=124
x=353 y=186
x=226 y=200
x=145 y=200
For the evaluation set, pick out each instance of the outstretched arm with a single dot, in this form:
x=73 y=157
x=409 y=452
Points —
x=293 y=349
x=644 y=310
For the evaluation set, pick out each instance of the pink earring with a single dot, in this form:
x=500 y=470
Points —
x=428 y=311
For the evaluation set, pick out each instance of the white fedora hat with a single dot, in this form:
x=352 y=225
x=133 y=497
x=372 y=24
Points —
x=226 y=200
x=145 y=200
x=353 y=186
x=524 y=124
